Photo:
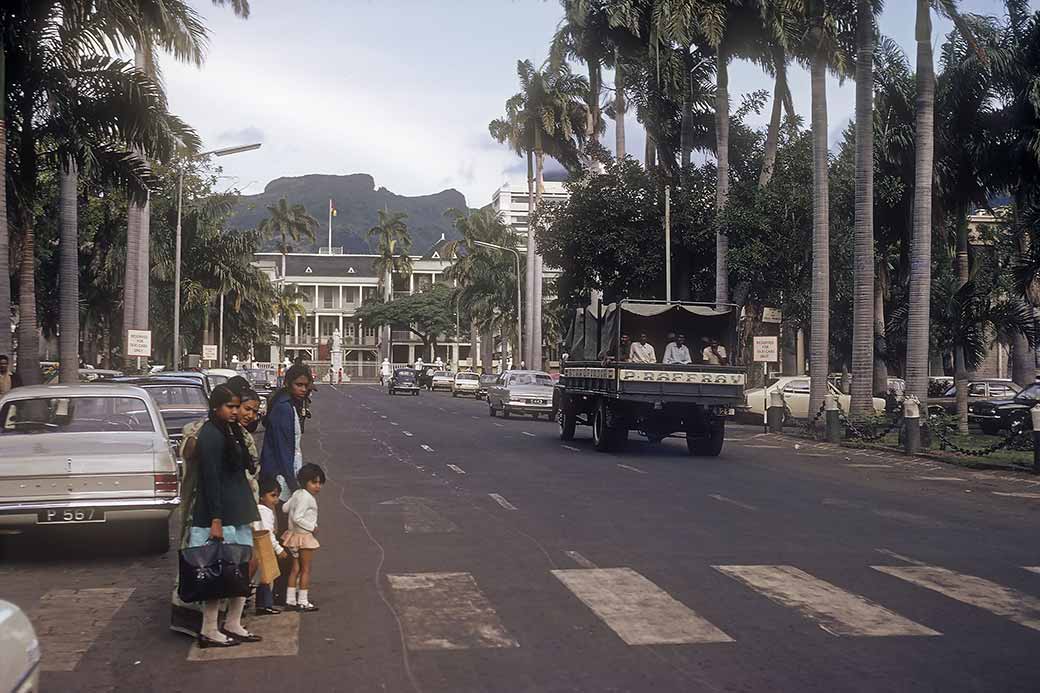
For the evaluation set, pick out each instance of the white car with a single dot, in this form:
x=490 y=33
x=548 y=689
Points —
x=90 y=455
x=442 y=380
x=467 y=383
x=19 y=651
x=795 y=390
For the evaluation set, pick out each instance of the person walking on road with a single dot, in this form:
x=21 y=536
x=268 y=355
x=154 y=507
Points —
x=224 y=509
x=300 y=540
x=642 y=351
x=268 y=508
x=385 y=371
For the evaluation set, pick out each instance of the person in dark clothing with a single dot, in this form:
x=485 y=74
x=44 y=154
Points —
x=224 y=509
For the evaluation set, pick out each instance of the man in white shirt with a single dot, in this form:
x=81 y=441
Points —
x=642 y=351
x=677 y=351
x=714 y=354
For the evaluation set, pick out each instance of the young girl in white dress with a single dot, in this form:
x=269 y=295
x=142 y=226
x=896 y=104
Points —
x=299 y=540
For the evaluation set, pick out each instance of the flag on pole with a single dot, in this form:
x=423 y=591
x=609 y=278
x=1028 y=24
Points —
x=332 y=207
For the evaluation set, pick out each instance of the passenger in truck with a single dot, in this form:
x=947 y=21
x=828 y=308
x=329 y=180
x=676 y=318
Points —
x=714 y=354
x=642 y=351
x=677 y=351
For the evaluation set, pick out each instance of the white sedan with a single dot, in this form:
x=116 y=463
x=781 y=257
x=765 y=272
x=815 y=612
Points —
x=19 y=651
x=795 y=390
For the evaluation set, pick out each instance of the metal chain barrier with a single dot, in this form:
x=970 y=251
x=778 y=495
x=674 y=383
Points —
x=1013 y=438
x=810 y=428
x=866 y=437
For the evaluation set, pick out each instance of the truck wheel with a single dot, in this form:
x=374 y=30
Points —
x=568 y=421
x=157 y=536
x=706 y=440
x=505 y=411
x=600 y=439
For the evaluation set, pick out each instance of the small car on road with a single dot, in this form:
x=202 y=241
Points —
x=486 y=381
x=795 y=391
x=995 y=388
x=180 y=401
x=1008 y=414
x=521 y=392
x=403 y=380
x=19 y=651
x=465 y=383
x=441 y=380
x=89 y=455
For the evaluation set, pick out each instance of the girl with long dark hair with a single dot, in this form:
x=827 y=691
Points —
x=281 y=457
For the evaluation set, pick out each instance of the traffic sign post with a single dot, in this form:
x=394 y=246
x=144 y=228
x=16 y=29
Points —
x=766 y=350
x=209 y=352
x=139 y=343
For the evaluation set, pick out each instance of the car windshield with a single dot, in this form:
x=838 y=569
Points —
x=75 y=415
x=531 y=379
x=178 y=396
x=405 y=375
x=216 y=379
x=466 y=376
x=1030 y=393
x=442 y=374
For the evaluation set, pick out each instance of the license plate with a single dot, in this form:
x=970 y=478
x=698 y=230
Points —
x=70 y=516
x=537 y=401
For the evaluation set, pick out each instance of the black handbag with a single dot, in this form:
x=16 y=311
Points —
x=215 y=570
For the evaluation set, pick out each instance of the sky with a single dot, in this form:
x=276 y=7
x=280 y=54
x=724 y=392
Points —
x=405 y=89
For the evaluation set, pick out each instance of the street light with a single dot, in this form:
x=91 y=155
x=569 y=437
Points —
x=514 y=251
x=177 y=252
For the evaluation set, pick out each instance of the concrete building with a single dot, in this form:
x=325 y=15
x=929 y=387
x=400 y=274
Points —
x=511 y=201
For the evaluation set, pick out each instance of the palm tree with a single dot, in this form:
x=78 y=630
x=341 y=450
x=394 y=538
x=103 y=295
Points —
x=863 y=277
x=5 y=268
x=392 y=244
x=287 y=224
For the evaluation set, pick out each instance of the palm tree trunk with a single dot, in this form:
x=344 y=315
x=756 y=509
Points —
x=68 y=338
x=487 y=348
x=474 y=344
x=130 y=284
x=527 y=339
x=686 y=130
x=880 y=366
x=595 y=87
x=960 y=368
x=1023 y=361
x=650 y=152
x=143 y=266
x=722 y=187
x=5 y=258
x=819 y=347
x=772 y=133
x=619 y=107
x=921 y=244
x=863 y=278
x=536 y=325
x=28 y=335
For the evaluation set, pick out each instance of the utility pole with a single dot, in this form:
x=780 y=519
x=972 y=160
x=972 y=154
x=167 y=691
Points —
x=668 y=243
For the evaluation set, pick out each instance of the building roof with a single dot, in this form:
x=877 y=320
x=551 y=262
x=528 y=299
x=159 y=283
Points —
x=325 y=265
x=438 y=251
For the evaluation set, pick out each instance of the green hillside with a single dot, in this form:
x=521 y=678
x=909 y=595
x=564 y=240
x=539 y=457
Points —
x=357 y=203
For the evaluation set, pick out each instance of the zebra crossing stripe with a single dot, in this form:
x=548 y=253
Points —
x=636 y=609
x=1017 y=606
x=68 y=621
x=446 y=611
x=833 y=609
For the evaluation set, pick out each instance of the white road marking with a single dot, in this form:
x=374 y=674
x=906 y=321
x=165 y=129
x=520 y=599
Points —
x=419 y=518
x=281 y=638
x=765 y=447
x=500 y=425
x=407 y=433
x=841 y=503
x=68 y=621
x=870 y=466
x=383 y=416
x=475 y=418
x=640 y=612
x=426 y=447
x=528 y=434
x=580 y=560
x=457 y=469
x=502 y=501
x=939 y=478
x=900 y=557
x=909 y=518
x=723 y=499
x=394 y=423
x=997 y=599
x=447 y=611
x=568 y=447
x=1035 y=496
x=1032 y=568
x=833 y=609
x=633 y=469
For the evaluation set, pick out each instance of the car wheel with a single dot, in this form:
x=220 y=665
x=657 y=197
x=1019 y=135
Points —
x=491 y=409
x=990 y=428
x=391 y=392
x=157 y=536
x=454 y=394
x=505 y=411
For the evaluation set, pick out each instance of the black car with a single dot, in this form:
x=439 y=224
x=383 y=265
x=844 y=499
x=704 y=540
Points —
x=403 y=380
x=486 y=380
x=181 y=400
x=996 y=415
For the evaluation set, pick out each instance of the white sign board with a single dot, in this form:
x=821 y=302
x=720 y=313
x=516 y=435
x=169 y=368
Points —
x=772 y=315
x=138 y=342
x=766 y=349
x=209 y=352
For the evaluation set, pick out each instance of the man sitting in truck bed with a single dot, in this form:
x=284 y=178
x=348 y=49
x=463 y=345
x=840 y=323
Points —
x=714 y=354
x=677 y=351
x=642 y=351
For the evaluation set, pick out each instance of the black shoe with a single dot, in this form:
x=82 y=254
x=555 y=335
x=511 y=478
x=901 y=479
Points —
x=248 y=637
x=306 y=607
x=267 y=611
x=205 y=641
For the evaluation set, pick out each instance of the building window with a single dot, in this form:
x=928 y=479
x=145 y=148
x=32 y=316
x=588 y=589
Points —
x=370 y=332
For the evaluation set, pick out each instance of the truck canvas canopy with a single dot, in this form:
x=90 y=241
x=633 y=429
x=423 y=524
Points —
x=595 y=332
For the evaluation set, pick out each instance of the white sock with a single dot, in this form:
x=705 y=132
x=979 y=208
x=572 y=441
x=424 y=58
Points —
x=233 y=622
x=302 y=598
x=210 y=611
x=290 y=596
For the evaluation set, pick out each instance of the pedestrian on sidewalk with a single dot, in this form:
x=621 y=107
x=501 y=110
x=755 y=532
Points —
x=300 y=540
x=268 y=508
x=224 y=509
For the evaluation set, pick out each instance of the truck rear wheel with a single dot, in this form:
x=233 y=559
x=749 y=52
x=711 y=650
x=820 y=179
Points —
x=568 y=422
x=705 y=440
x=606 y=434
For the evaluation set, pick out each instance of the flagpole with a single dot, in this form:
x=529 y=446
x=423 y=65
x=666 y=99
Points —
x=330 y=226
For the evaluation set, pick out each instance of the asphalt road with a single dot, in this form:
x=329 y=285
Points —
x=467 y=553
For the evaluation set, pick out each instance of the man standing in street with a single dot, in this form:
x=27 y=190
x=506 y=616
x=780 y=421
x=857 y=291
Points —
x=642 y=351
x=714 y=354
x=385 y=371
x=677 y=351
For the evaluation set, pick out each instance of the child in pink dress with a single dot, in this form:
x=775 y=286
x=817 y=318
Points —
x=299 y=539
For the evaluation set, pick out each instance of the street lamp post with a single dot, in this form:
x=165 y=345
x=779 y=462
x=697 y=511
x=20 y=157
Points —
x=516 y=253
x=177 y=248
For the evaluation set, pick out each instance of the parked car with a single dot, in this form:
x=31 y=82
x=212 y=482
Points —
x=193 y=375
x=219 y=376
x=264 y=382
x=995 y=388
x=996 y=415
x=88 y=455
x=795 y=390
x=521 y=392
x=425 y=375
x=403 y=380
x=441 y=380
x=88 y=375
x=19 y=651
x=466 y=383
x=486 y=380
x=180 y=401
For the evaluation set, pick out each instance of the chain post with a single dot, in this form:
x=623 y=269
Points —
x=775 y=412
x=833 y=422
x=1035 y=414
x=911 y=425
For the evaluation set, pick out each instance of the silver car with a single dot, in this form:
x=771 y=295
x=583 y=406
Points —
x=86 y=455
x=521 y=392
x=466 y=383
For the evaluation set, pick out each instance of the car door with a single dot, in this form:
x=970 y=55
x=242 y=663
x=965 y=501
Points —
x=500 y=388
x=796 y=396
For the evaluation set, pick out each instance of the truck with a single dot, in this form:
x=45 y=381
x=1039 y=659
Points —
x=599 y=387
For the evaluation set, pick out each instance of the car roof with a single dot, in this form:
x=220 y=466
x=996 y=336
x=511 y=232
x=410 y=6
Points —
x=144 y=380
x=518 y=372
x=107 y=389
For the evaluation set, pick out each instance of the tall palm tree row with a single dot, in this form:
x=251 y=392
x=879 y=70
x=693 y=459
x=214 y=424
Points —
x=392 y=245
x=287 y=224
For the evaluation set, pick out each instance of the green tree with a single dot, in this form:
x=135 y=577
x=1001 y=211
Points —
x=392 y=245
x=428 y=314
x=287 y=224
